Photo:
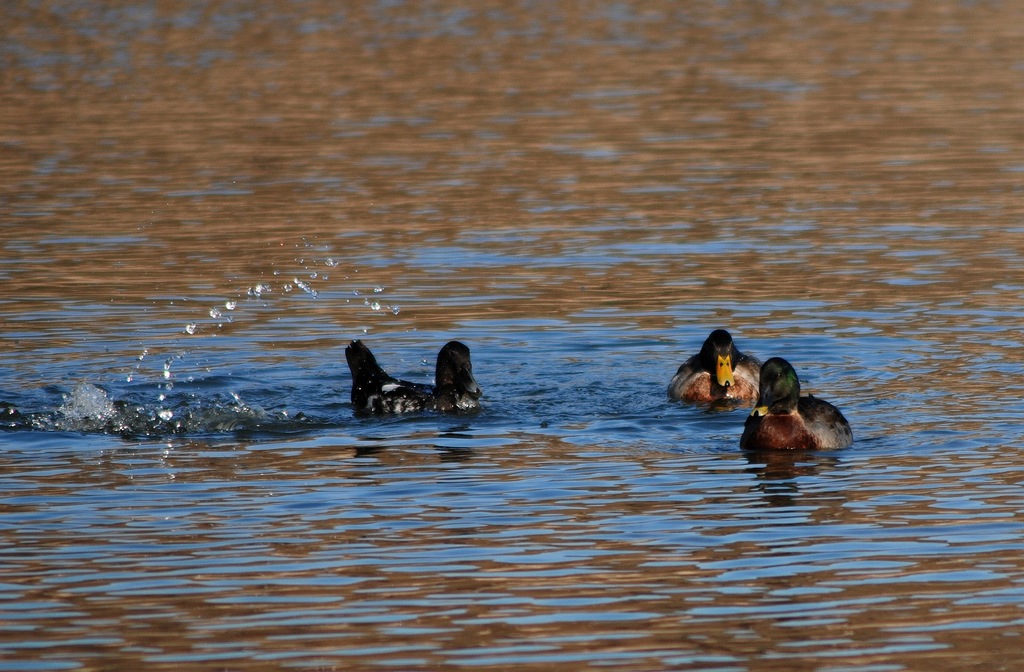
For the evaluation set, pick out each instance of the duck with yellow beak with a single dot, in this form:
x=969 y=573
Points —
x=719 y=372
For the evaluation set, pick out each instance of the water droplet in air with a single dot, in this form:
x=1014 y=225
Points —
x=306 y=287
x=395 y=309
x=378 y=289
x=190 y=328
x=215 y=313
x=166 y=414
x=375 y=306
x=230 y=305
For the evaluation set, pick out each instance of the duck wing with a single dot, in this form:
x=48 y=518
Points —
x=825 y=422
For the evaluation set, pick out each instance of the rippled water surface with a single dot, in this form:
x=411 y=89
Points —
x=202 y=203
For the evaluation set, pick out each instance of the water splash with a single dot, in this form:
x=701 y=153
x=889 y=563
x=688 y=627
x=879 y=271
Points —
x=175 y=407
x=86 y=402
x=88 y=408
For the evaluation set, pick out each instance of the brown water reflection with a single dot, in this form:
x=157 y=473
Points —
x=605 y=564
x=580 y=191
x=214 y=140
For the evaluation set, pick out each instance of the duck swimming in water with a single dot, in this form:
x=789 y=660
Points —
x=718 y=372
x=782 y=419
x=375 y=392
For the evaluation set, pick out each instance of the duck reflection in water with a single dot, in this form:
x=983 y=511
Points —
x=779 y=472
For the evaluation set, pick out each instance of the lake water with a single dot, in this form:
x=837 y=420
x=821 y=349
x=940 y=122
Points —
x=203 y=203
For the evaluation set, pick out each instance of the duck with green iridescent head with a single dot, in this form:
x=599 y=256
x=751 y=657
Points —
x=783 y=420
x=719 y=372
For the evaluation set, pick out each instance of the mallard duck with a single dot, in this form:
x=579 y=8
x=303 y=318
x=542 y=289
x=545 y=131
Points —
x=375 y=392
x=782 y=419
x=718 y=372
